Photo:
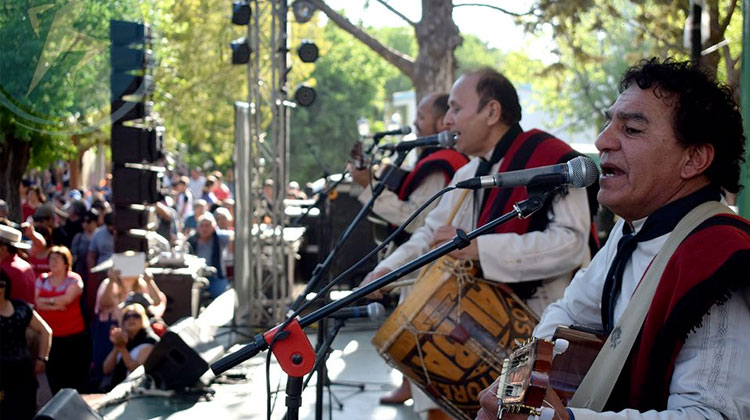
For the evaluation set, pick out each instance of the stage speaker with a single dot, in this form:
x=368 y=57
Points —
x=67 y=405
x=181 y=357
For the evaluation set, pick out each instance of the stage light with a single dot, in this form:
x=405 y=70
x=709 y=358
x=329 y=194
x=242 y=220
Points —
x=307 y=51
x=240 y=51
x=241 y=13
x=303 y=10
x=304 y=96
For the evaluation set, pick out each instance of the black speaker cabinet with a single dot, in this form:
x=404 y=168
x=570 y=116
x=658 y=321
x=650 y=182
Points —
x=181 y=357
x=67 y=405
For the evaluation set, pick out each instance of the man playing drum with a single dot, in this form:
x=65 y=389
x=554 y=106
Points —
x=535 y=256
x=670 y=287
x=432 y=172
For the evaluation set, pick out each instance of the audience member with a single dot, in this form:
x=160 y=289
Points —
x=132 y=343
x=196 y=182
x=199 y=207
x=73 y=212
x=223 y=218
x=18 y=366
x=34 y=198
x=81 y=242
x=167 y=220
x=4 y=210
x=208 y=191
x=102 y=242
x=210 y=244
x=19 y=271
x=221 y=190
x=184 y=198
x=41 y=242
x=58 y=296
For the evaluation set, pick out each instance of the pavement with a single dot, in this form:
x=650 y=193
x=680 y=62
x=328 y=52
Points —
x=241 y=394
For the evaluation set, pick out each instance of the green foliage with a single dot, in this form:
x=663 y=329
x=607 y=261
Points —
x=54 y=68
x=474 y=53
x=596 y=40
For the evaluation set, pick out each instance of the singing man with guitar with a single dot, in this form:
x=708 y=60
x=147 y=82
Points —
x=670 y=287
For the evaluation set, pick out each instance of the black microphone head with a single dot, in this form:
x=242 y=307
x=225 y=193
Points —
x=582 y=172
x=376 y=311
x=405 y=130
x=446 y=139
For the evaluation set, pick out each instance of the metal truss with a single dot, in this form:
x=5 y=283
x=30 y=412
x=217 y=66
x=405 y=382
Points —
x=268 y=290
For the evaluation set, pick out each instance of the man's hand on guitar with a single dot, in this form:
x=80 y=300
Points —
x=446 y=233
x=371 y=277
x=489 y=402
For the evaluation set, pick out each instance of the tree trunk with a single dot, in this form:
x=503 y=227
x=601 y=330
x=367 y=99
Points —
x=437 y=37
x=15 y=154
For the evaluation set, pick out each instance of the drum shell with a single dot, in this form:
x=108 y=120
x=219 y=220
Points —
x=462 y=342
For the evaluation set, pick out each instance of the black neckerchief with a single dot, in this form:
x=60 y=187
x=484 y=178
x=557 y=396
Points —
x=659 y=223
x=501 y=148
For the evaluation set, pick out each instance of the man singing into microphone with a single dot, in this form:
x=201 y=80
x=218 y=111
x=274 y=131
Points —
x=433 y=170
x=535 y=256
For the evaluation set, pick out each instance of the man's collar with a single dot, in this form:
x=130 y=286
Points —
x=673 y=212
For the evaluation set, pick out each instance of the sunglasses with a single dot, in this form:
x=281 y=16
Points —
x=130 y=315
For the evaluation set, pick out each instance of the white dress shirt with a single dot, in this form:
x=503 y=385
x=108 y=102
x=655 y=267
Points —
x=710 y=379
x=550 y=255
x=396 y=211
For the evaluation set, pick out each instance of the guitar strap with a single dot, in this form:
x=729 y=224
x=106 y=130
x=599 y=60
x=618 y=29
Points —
x=597 y=385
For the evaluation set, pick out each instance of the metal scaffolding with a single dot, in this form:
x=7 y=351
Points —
x=264 y=282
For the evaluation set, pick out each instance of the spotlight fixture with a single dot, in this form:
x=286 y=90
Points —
x=240 y=51
x=303 y=10
x=304 y=96
x=307 y=51
x=241 y=13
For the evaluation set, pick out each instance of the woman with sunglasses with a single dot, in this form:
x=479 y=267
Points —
x=58 y=296
x=18 y=366
x=132 y=343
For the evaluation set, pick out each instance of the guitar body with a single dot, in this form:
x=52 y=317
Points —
x=539 y=364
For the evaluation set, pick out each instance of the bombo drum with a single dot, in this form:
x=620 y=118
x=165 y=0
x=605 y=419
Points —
x=452 y=333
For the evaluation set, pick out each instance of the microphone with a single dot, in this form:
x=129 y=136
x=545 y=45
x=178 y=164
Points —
x=375 y=311
x=578 y=172
x=442 y=139
x=403 y=130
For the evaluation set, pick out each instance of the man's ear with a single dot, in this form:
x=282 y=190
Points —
x=699 y=157
x=494 y=112
x=440 y=124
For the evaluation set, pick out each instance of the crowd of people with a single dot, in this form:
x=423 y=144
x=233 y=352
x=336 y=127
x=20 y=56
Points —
x=91 y=325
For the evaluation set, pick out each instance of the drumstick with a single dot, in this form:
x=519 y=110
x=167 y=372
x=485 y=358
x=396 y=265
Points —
x=457 y=206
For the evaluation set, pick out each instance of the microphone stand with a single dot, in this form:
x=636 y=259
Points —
x=292 y=348
x=321 y=268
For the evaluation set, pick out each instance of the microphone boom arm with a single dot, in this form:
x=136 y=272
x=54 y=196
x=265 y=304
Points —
x=461 y=240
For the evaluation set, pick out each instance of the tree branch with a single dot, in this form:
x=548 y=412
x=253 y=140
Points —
x=500 y=9
x=728 y=18
x=402 y=61
x=397 y=13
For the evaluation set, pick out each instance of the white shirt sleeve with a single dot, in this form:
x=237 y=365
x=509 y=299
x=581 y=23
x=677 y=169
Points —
x=558 y=250
x=420 y=240
x=396 y=211
x=710 y=379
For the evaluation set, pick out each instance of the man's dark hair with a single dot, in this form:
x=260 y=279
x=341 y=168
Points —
x=440 y=104
x=704 y=113
x=493 y=85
